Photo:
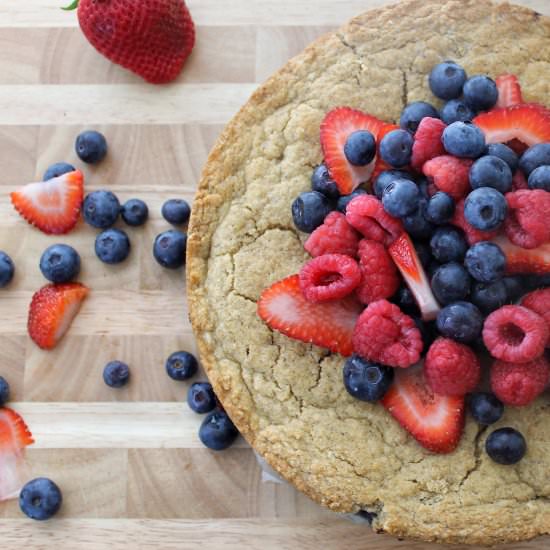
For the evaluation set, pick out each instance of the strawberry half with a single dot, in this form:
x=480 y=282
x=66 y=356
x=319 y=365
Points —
x=52 y=206
x=509 y=90
x=524 y=260
x=329 y=325
x=336 y=127
x=51 y=311
x=406 y=259
x=435 y=421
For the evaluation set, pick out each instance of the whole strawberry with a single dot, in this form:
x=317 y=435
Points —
x=152 y=38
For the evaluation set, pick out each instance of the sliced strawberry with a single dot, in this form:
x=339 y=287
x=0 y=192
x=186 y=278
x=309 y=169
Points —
x=435 y=421
x=52 y=206
x=14 y=433
x=509 y=90
x=329 y=325
x=406 y=259
x=336 y=127
x=524 y=260
x=51 y=311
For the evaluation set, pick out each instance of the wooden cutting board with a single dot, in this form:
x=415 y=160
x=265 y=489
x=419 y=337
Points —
x=132 y=470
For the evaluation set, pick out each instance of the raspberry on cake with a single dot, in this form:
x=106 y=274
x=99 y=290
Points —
x=528 y=214
x=449 y=174
x=334 y=236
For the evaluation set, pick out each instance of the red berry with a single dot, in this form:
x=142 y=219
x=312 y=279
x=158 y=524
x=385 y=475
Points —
x=519 y=181
x=329 y=277
x=526 y=224
x=451 y=368
x=386 y=335
x=524 y=260
x=473 y=235
x=334 y=236
x=427 y=142
x=449 y=174
x=519 y=384
x=509 y=90
x=539 y=302
x=368 y=216
x=515 y=334
x=379 y=275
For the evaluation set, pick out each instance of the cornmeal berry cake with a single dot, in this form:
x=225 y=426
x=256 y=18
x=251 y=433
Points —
x=368 y=263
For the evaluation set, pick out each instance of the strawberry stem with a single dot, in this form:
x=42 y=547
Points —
x=72 y=6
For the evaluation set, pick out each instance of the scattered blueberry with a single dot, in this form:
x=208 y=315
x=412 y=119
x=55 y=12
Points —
x=485 y=407
x=400 y=198
x=456 y=110
x=414 y=112
x=7 y=269
x=365 y=380
x=91 y=147
x=396 y=148
x=101 y=209
x=323 y=183
x=535 y=156
x=217 y=432
x=309 y=210
x=60 y=263
x=201 y=398
x=181 y=365
x=386 y=177
x=515 y=287
x=57 y=169
x=448 y=244
x=489 y=297
x=423 y=186
x=4 y=391
x=485 y=208
x=176 y=211
x=485 y=262
x=134 y=212
x=344 y=200
x=40 y=499
x=503 y=152
x=506 y=446
x=480 y=92
x=451 y=283
x=489 y=171
x=464 y=139
x=404 y=298
x=461 y=321
x=440 y=208
x=360 y=148
x=169 y=249
x=446 y=80
x=539 y=178
x=116 y=374
x=112 y=246
x=416 y=224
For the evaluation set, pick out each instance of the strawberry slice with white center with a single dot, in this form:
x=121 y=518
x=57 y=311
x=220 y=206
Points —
x=336 y=127
x=52 y=206
x=435 y=421
x=509 y=90
x=406 y=259
x=329 y=324
x=524 y=260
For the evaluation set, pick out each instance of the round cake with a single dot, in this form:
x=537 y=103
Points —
x=286 y=397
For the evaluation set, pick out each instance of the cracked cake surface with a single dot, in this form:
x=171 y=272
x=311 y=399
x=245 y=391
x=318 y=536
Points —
x=287 y=398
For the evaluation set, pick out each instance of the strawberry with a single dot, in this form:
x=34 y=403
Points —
x=14 y=433
x=152 y=38
x=51 y=311
x=509 y=90
x=435 y=421
x=406 y=259
x=330 y=325
x=52 y=206
x=336 y=127
x=523 y=260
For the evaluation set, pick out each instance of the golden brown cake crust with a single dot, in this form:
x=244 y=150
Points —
x=287 y=398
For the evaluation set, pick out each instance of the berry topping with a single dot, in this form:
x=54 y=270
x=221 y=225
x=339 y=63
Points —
x=480 y=92
x=489 y=296
x=365 y=380
x=509 y=90
x=40 y=499
x=91 y=147
x=503 y=152
x=506 y=446
x=112 y=246
x=522 y=260
x=416 y=224
x=176 y=211
x=201 y=398
x=449 y=174
x=535 y=156
x=101 y=209
x=344 y=200
x=400 y=197
x=360 y=148
x=323 y=183
x=463 y=139
x=539 y=178
x=527 y=222
x=440 y=208
x=485 y=209
x=446 y=80
x=309 y=210
x=116 y=374
x=448 y=244
x=490 y=171
x=57 y=169
x=169 y=249
x=7 y=269
x=451 y=283
x=473 y=235
x=539 y=302
x=519 y=182
x=485 y=407
x=461 y=321
x=181 y=365
x=414 y=112
x=334 y=236
x=217 y=431
x=60 y=263
x=134 y=212
x=427 y=142
x=485 y=262
x=396 y=148
x=456 y=110
x=386 y=177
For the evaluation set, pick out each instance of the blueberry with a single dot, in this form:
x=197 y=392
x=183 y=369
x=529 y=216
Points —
x=414 y=112
x=309 y=210
x=201 y=398
x=400 y=198
x=7 y=269
x=516 y=287
x=217 y=432
x=480 y=92
x=448 y=244
x=344 y=200
x=489 y=297
x=323 y=183
x=485 y=208
x=424 y=252
x=60 y=263
x=4 y=391
x=451 y=283
x=428 y=332
x=461 y=321
x=485 y=262
x=91 y=147
x=464 y=139
x=360 y=148
x=181 y=365
x=365 y=380
x=440 y=208
x=489 y=171
x=176 y=211
x=57 y=169
x=539 y=178
x=169 y=249
x=396 y=148
x=386 y=177
x=535 y=156
x=432 y=267
x=485 y=407
x=404 y=298
x=134 y=212
x=446 y=80
x=112 y=246
x=116 y=374
x=101 y=209
x=423 y=186
x=40 y=499
x=456 y=110
x=416 y=224
x=506 y=446
x=503 y=152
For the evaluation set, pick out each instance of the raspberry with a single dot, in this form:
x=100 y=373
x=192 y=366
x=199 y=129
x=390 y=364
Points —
x=539 y=302
x=334 y=236
x=427 y=142
x=519 y=384
x=515 y=334
x=519 y=181
x=451 y=368
x=473 y=235
x=329 y=277
x=368 y=216
x=379 y=274
x=527 y=222
x=384 y=334
x=449 y=174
